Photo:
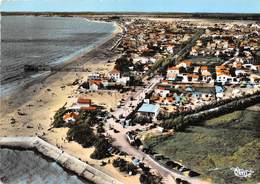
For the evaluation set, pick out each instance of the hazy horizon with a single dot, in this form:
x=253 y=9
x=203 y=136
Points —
x=132 y=6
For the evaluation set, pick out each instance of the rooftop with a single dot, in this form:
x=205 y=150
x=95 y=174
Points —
x=149 y=108
x=84 y=101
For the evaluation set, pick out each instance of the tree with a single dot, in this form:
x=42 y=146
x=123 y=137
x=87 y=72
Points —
x=125 y=166
x=83 y=134
x=100 y=128
x=149 y=178
x=101 y=149
x=85 y=85
x=58 y=118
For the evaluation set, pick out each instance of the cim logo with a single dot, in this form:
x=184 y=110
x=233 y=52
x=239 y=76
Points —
x=242 y=173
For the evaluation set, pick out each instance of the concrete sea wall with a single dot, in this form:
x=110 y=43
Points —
x=65 y=160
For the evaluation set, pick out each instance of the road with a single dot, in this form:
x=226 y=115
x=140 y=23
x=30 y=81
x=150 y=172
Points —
x=121 y=141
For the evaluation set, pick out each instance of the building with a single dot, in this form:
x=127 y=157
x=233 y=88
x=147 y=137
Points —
x=84 y=101
x=94 y=85
x=223 y=78
x=193 y=77
x=185 y=64
x=172 y=72
x=81 y=102
x=90 y=108
x=94 y=76
x=114 y=75
x=70 y=117
x=149 y=109
x=219 y=92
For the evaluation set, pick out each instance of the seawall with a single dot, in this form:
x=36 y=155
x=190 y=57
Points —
x=65 y=160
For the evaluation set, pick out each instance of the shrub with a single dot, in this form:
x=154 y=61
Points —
x=101 y=149
x=125 y=166
x=100 y=128
x=83 y=134
x=149 y=178
x=58 y=118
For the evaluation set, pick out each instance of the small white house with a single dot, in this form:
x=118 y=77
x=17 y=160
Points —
x=185 y=64
x=123 y=80
x=114 y=75
x=223 y=78
x=163 y=92
x=94 y=76
x=240 y=72
x=250 y=66
x=173 y=70
x=93 y=87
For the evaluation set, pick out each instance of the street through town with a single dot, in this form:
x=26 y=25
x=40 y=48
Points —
x=120 y=140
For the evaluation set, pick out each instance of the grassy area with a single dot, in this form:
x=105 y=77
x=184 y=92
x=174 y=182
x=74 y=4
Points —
x=216 y=145
x=224 y=120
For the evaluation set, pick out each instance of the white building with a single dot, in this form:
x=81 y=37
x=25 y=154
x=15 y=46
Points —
x=223 y=78
x=114 y=75
x=172 y=72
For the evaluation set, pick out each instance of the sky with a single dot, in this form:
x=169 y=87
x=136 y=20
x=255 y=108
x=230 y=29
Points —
x=220 y=6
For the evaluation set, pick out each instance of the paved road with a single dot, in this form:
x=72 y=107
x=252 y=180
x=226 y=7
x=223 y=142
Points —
x=121 y=140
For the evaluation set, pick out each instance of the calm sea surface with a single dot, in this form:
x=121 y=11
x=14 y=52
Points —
x=44 y=40
x=21 y=167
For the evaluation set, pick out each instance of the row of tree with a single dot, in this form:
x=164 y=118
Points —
x=180 y=122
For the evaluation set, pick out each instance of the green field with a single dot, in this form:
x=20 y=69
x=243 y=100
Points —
x=216 y=145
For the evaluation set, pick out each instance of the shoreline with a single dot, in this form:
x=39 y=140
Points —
x=63 y=62
x=66 y=161
x=39 y=102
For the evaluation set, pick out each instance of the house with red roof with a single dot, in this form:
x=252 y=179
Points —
x=194 y=77
x=90 y=108
x=84 y=104
x=85 y=101
x=162 y=91
x=94 y=85
x=172 y=73
x=205 y=74
x=70 y=117
x=185 y=64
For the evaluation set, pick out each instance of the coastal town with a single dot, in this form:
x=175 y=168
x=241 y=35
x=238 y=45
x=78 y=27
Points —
x=164 y=76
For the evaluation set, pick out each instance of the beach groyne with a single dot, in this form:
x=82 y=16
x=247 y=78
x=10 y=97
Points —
x=67 y=161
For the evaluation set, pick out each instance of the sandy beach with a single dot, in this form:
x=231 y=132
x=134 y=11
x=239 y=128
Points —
x=33 y=107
